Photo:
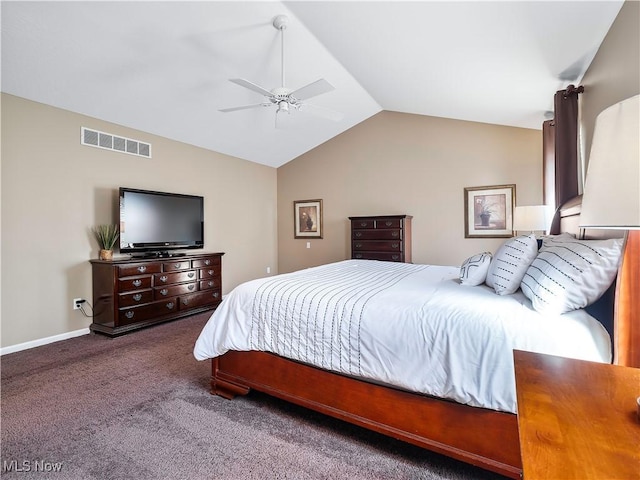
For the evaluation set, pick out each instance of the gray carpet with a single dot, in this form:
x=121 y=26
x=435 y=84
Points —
x=139 y=407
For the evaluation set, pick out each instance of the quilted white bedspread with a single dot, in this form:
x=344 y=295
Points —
x=410 y=326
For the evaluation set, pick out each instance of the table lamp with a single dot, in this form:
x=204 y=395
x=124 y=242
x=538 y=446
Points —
x=611 y=200
x=531 y=218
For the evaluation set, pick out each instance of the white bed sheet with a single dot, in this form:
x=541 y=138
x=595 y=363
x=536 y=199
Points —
x=410 y=326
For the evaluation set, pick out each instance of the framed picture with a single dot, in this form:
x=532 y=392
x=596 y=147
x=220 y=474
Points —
x=307 y=218
x=488 y=211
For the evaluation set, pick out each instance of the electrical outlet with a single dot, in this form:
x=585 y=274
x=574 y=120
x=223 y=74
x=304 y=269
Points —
x=77 y=302
x=268 y=269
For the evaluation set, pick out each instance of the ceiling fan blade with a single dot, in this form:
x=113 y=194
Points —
x=316 y=88
x=244 y=107
x=251 y=86
x=321 y=112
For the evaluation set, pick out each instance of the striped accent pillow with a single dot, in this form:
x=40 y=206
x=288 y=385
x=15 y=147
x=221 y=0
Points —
x=569 y=273
x=474 y=269
x=510 y=263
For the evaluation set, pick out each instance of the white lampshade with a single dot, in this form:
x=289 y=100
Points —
x=612 y=189
x=531 y=218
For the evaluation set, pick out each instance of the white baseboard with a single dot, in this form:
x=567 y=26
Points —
x=43 y=341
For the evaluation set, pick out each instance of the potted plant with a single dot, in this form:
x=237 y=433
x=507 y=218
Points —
x=485 y=215
x=107 y=236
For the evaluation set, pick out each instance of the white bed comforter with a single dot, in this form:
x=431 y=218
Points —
x=411 y=326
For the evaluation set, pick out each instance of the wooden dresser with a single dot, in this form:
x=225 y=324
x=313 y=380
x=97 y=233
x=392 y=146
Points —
x=129 y=294
x=382 y=237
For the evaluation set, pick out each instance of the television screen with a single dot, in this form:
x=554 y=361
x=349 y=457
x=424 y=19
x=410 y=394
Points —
x=158 y=221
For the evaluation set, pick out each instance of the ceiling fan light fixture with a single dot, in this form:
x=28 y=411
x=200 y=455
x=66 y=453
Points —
x=283 y=106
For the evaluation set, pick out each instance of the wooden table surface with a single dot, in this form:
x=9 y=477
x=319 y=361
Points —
x=577 y=419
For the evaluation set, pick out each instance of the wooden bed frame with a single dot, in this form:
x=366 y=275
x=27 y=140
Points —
x=481 y=437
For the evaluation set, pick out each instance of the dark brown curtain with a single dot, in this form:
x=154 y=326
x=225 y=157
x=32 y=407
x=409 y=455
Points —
x=549 y=162
x=565 y=139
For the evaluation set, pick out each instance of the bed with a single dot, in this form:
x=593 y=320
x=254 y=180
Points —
x=335 y=372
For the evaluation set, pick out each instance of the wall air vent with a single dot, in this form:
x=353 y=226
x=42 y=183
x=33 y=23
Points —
x=107 y=141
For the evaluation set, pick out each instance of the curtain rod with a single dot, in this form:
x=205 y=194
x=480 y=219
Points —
x=571 y=89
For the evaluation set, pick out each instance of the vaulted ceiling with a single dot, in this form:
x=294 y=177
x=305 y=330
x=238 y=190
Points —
x=164 y=67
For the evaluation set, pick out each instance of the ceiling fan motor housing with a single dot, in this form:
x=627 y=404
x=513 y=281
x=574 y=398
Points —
x=280 y=22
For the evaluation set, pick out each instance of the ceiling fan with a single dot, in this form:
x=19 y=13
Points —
x=286 y=99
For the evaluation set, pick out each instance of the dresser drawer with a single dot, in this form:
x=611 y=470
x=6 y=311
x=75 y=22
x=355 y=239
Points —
x=208 y=273
x=174 y=290
x=207 y=262
x=127 y=316
x=364 y=223
x=176 y=266
x=138 y=269
x=134 y=283
x=386 y=256
x=135 y=298
x=377 y=246
x=392 y=234
x=209 y=284
x=382 y=223
x=198 y=299
x=169 y=278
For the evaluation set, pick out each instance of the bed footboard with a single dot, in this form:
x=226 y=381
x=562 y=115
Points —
x=481 y=437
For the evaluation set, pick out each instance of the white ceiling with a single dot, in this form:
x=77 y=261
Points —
x=163 y=67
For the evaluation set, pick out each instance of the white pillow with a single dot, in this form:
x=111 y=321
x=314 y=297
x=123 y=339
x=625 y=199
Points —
x=474 y=269
x=510 y=263
x=569 y=273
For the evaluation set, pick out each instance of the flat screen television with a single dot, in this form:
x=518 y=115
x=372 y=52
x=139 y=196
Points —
x=158 y=223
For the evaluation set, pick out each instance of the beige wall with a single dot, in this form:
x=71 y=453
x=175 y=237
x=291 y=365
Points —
x=54 y=189
x=614 y=73
x=398 y=163
x=395 y=163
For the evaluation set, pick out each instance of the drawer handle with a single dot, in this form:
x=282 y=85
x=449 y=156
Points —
x=129 y=314
x=190 y=274
x=164 y=292
x=395 y=234
x=177 y=265
x=363 y=224
x=191 y=287
x=358 y=245
x=163 y=278
x=395 y=257
x=137 y=297
x=170 y=305
x=142 y=269
x=358 y=255
x=388 y=224
x=215 y=295
x=211 y=272
x=395 y=245
x=211 y=284
x=185 y=301
x=137 y=283
x=207 y=262
x=358 y=234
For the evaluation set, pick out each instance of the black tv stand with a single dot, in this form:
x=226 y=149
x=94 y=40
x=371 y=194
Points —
x=158 y=255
